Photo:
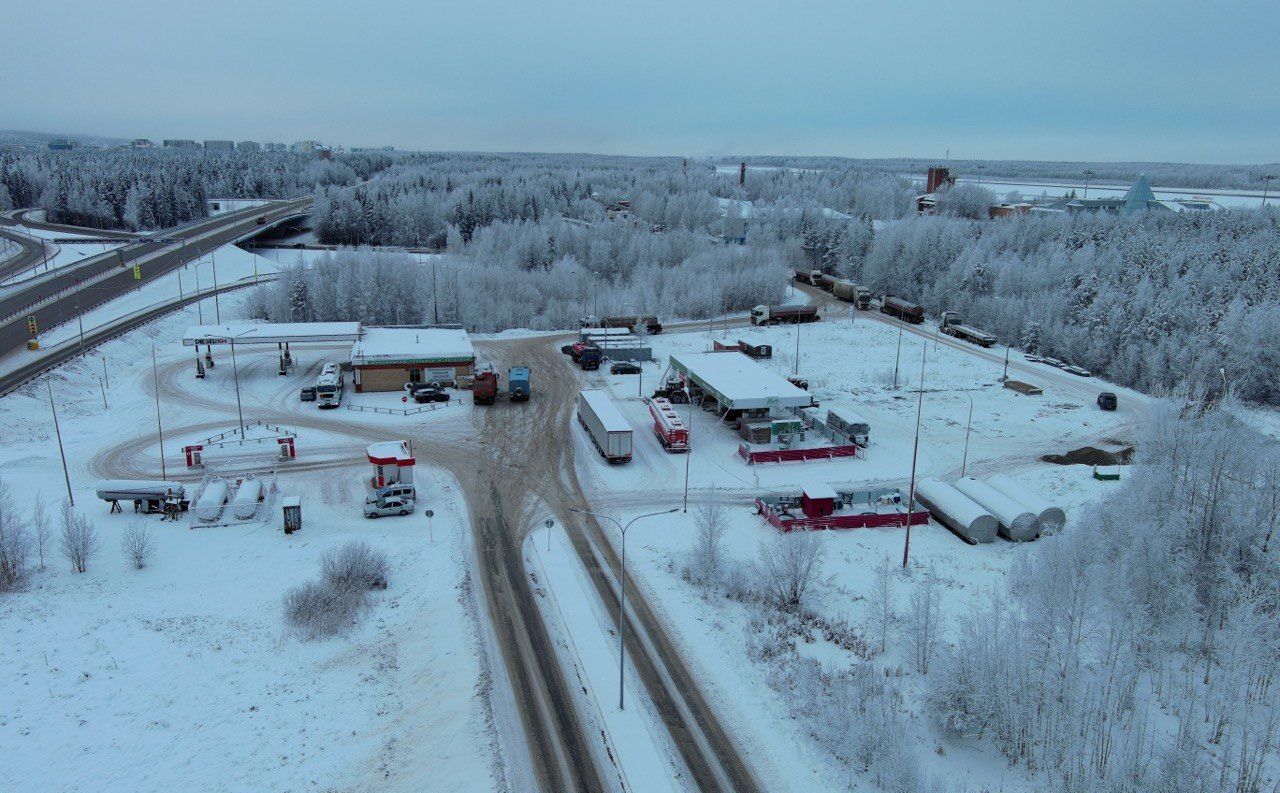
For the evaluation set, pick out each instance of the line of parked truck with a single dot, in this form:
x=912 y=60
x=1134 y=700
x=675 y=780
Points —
x=485 y=391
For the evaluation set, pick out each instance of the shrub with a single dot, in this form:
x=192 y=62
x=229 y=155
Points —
x=316 y=610
x=355 y=567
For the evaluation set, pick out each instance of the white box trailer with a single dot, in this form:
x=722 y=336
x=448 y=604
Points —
x=608 y=428
x=957 y=511
x=1017 y=523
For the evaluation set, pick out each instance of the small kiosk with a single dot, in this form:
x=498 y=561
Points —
x=392 y=463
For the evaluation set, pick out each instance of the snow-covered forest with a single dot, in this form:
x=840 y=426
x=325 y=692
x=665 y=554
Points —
x=1150 y=301
x=153 y=189
x=1139 y=651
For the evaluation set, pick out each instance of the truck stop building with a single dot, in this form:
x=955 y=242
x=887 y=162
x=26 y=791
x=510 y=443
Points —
x=738 y=383
x=384 y=359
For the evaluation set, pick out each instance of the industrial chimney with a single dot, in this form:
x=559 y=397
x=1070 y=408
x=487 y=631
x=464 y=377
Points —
x=742 y=174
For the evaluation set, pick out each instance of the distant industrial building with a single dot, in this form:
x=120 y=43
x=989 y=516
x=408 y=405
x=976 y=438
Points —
x=1139 y=198
x=248 y=145
x=273 y=146
x=358 y=149
x=180 y=143
x=142 y=143
x=63 y=144
x=219 y=145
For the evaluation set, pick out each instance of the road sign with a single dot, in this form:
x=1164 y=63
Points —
x=137 y=272
x=31 y=326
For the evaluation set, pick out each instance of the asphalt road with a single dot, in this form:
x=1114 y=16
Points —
x=32 y=253
x=24 y=217
x=68 y=291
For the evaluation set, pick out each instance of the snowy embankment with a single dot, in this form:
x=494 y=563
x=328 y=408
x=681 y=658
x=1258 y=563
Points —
x=759 y=668
x=181 y=675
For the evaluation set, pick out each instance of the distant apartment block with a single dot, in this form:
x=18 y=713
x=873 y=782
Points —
x=142 y=143
x=180 y=143
x=219 y=145
x=248 y=145
x=63 y=144
x=307 y=146
x=273 y=146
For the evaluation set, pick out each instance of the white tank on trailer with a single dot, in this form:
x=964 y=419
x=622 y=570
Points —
x=245 y=503
x=957 y=511
x=1017 y=523
x=209 y=506
x=1050 y=514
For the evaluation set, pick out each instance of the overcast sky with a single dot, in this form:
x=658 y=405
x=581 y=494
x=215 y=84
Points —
x=1127 y=80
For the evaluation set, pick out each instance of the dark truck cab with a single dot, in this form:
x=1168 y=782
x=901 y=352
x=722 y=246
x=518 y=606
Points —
x=1107 y=400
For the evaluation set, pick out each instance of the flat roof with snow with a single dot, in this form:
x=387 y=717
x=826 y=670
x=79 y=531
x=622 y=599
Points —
x=610 y=418
x=739 y=383
x=272 y=333
x=382 y=346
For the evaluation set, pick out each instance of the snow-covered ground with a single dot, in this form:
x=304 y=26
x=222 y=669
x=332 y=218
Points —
x=181 y=675
x=848 y=365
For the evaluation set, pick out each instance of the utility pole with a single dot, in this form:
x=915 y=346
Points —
x=964 y=463
x=155 y=382
x=1088 y=172
x=236 y=376
x=61 y=452
x=915 y=454
x=213 y=257
x=798 y=323
x=1266 y=184
x=199 y=298
x=688 y=454
x=896 y=358
x=1005 y=376
x=435 y=298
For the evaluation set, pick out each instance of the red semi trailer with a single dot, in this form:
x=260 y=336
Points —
x=671 y=430
x=897 y=307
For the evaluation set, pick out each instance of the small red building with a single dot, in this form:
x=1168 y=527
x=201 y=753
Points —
x=818 y=501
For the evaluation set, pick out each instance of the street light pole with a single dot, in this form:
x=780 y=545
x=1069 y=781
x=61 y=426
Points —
x=688 y=453
x=155 y=384
x=235 y=373
x=71 y=499
x=622 y=589
x=1088 y=172
x=1266 y=184
x=964 y=463
x=213 y=257
x=915 y=454
x=896 y=358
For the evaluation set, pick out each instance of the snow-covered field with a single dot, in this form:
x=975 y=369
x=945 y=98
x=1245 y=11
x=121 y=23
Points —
x=182 y=675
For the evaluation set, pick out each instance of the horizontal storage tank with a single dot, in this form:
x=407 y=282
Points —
x=245 y=503
x=1017 y=523
x=137 y=489
x=1049 y=513
x=209 y=506
x=957 y=511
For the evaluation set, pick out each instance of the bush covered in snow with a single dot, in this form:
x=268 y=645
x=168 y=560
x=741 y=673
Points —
x=338 y=599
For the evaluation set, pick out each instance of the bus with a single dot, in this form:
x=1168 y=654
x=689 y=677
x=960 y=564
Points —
x=329 y=386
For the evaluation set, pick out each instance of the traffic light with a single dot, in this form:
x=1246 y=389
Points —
x=31 y=326
x=137 y=272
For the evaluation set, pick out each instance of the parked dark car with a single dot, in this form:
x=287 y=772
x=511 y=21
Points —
x=624 y=367
x=1107 y=400
x=308 y=393
x=430 y=395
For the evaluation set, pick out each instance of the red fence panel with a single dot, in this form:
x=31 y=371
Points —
x=796 y=455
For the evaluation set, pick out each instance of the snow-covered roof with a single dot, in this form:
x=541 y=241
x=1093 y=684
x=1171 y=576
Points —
x=738 y=382
x=411 y=345
x=748 y=209
x=271 y=333
x=610 y=417
x=819 y=491
x=390 y=453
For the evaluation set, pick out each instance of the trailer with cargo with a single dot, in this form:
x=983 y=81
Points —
x=671 y=430
x=775 y=315
x=845 y=422
x=952 y=326
x=901 y=309
x=850 y=292
x=518 y=385
x=811 y=277
x=649 y=322
x=148 y=496
x=606 y=426
x=827 y=282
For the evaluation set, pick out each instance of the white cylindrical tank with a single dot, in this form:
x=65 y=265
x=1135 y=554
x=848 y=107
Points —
x=245 y=503
x=1049 y=513
x=209 y=506
x=1017 y=523
x=956 y=510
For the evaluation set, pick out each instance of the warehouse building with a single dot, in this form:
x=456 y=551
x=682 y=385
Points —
x=384 y=359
